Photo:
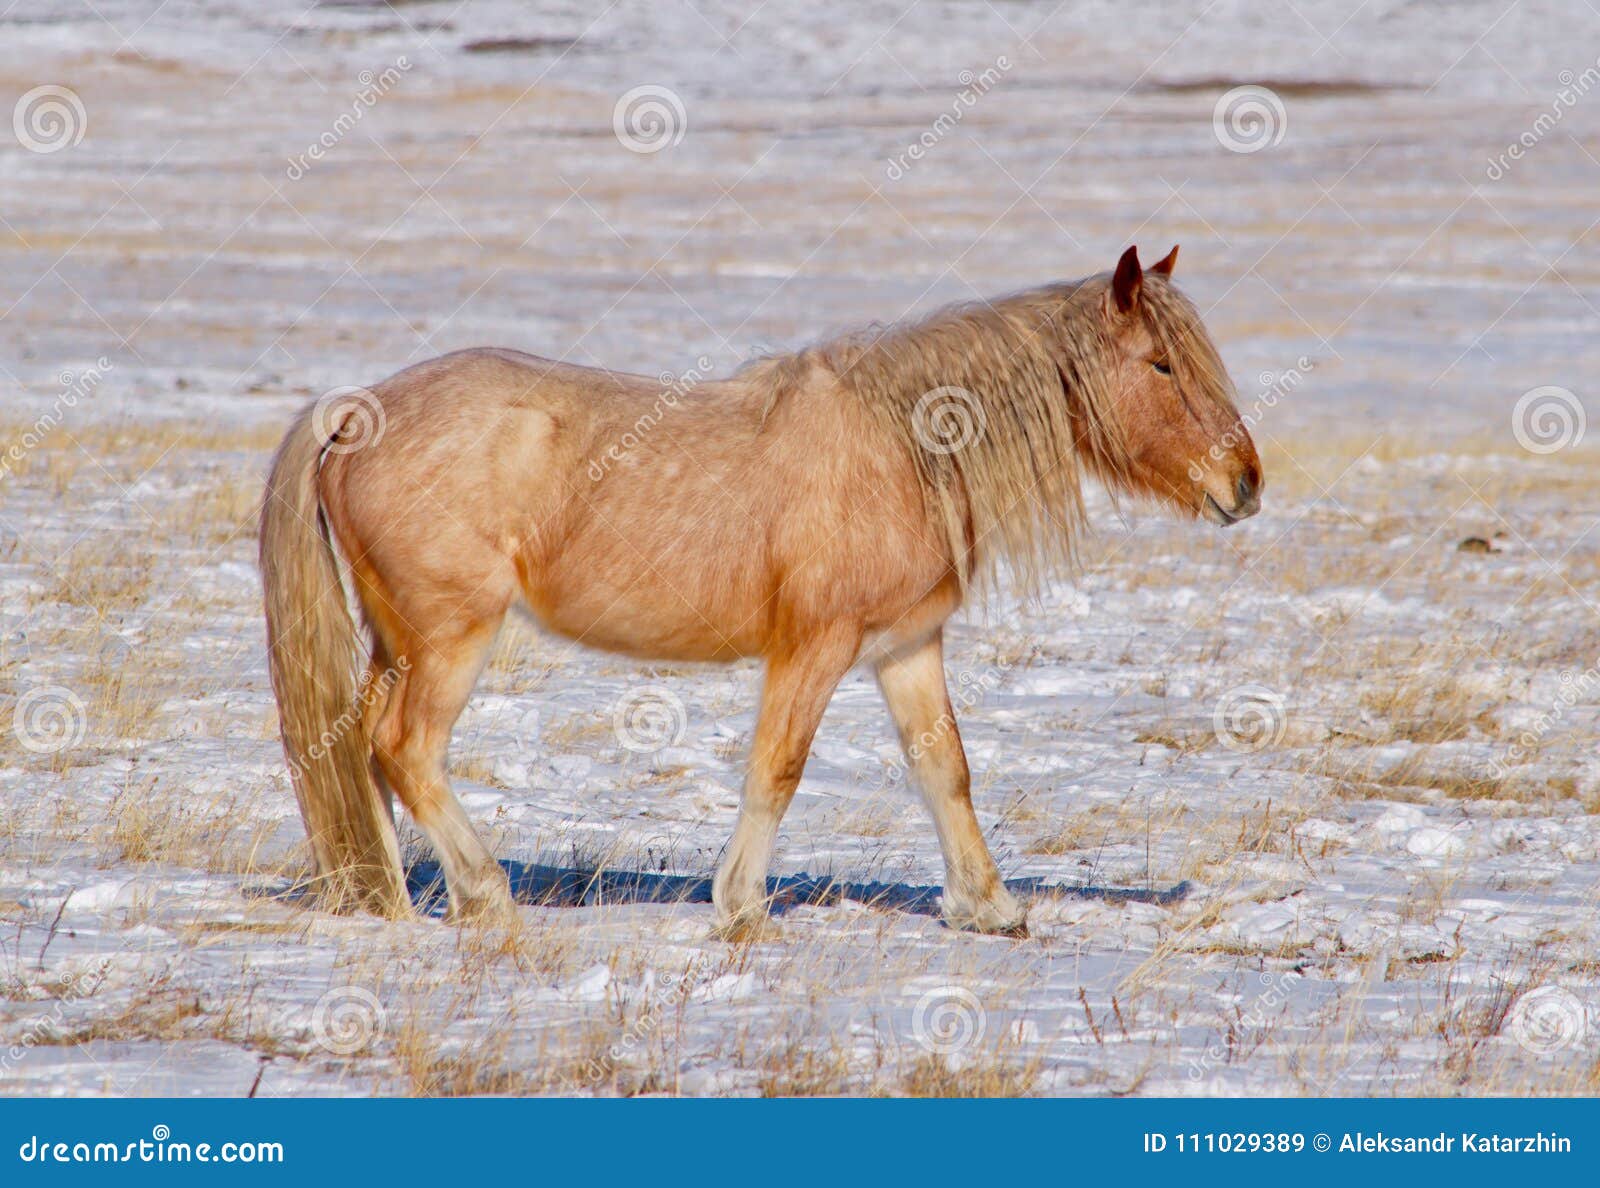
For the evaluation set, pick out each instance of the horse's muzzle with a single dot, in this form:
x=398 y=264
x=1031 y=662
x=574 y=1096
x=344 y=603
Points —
x=1247 y=502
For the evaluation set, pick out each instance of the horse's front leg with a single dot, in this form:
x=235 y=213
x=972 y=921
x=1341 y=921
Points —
x=799 y=681
x=975 y=897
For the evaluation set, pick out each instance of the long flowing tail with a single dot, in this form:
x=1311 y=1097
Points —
x=311 y=653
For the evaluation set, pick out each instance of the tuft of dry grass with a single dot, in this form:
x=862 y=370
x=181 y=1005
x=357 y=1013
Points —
x=1425 y=708
x=429 y=1069
x=225 y=510
x=105 y=574
x=125 y=688
x=994 y=1074
x=801 y=1068
x=160 y=1010
x=149 y=823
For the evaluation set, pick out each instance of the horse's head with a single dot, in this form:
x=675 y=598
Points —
x=1182 y=440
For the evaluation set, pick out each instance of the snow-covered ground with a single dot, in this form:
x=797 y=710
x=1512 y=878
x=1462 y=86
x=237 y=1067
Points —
x=1360 y=729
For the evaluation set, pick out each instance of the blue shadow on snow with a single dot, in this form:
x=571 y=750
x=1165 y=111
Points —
x=562 y=886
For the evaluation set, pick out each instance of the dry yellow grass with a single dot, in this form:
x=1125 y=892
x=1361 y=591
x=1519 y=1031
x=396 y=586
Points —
x=996 y=1075
x=106 y=574
x=153 y=823
x=224 y=511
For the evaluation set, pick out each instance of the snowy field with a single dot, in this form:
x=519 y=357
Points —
x=1343 y=756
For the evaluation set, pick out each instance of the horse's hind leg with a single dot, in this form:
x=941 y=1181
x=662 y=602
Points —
x=409 y=742
x=913 y=684
x=376 y=686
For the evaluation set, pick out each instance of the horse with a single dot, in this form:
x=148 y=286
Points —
x=813 y=510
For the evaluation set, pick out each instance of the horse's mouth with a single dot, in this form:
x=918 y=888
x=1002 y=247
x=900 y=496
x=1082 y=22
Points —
x=1217 y=514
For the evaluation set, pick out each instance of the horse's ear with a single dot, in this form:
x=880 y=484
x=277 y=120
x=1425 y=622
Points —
x=1163 y=266
x=1127 y=281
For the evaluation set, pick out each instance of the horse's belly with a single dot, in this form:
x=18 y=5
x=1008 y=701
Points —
x=650 y=612
x=911 y=625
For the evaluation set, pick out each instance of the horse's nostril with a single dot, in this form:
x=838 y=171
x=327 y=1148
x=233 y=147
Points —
x=1245 y=489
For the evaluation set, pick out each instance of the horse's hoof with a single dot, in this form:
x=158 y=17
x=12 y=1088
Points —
x=1004 y=918
x=488 y=911
x=1015 y=929
x=746 y=930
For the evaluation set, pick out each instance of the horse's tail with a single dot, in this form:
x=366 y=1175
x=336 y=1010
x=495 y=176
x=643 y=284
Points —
x=311 y=654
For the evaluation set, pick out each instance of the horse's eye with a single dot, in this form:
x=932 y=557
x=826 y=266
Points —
x=1163 y=368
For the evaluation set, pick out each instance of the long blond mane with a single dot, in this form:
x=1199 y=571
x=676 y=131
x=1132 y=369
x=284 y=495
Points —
x=1006 y=405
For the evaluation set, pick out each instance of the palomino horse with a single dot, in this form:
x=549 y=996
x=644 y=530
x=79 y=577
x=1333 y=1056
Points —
x=813 y=510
